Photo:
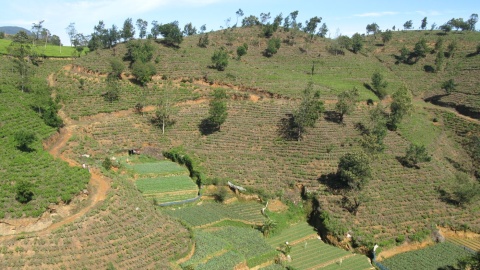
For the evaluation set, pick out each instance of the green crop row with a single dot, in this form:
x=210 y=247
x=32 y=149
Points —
x=165 y=184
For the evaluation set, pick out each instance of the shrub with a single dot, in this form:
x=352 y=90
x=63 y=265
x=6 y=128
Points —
x=24 y=192
x=272 y=47
x=241 y=51
x=24 y=138
x=107 y=163
x=221 y=194
x=220 y=59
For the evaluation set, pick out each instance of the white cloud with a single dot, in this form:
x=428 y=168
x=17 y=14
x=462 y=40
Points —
x=376 y=14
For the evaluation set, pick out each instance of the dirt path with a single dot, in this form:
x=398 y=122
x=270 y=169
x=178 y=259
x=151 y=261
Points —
x=451 y=110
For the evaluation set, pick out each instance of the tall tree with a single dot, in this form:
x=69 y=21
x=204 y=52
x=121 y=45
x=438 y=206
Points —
x=308 y=111
x=372 y=28
x=346 y=102
x=472 y=21
x=408 y=25
x=322 y=32
x=22 y=52
x=172 y=35
x=379 y=84
x=239 y=14
x=354 y=170
x=423 y=26
x=37 y=30
x=71 y=32
x=128 y=31
x=386 y=36
x=189 y=30
x=155 y=32
x=164 y=111
x=218 y=108
x=142 y=28
x=400 y=106
x=357 y=42
x=311 y=26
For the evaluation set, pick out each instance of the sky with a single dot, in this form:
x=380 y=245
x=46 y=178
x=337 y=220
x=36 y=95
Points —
x=341 y=17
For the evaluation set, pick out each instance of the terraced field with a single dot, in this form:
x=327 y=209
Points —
x=473 y=244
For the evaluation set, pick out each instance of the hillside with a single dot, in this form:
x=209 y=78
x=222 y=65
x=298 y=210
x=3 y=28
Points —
x=249 y=150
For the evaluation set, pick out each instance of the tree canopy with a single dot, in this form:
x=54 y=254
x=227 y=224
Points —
x=172 y=35
x=354 y=170
x=308 y=112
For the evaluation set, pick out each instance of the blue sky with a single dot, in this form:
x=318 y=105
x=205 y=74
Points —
x=341 y=17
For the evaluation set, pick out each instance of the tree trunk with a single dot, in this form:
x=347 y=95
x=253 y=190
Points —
x=163 y=126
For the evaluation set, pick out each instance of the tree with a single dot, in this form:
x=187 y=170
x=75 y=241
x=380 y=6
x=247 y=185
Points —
x=272 y=47
x=37 y=30
x=423 y=26
x=449 y=86
x=189 y=30
x=344 y=42
x=322 y=32
x=250 y=21
x=242 y=50
x=172 y=35
x=439 y=61
x=374 y=131
x=357 y=42
x=22 y=52
x=128 y=31
x=143 y=72
x=139 y=51
x=163 y=113
x=142 y=28
x=117 y=67
x=451 y=48
x=24 y=192
x=264 y=17
x=408 y=25
x=268 y=226
x=218 y=108
x=220 y=59
x=400 y=106
x=404 y=55
x=354 y=170
x=386 y=36
x=346 y=102
x=421 y=48
x=379 y=85
x=472 y=21
x=155 y=32
x=372 y=28
x=113 y=90
x=203 y=40
x=203 y=28
x=24 y=138
x=311 y=26
x=415 y=154
x=439 y=44
x=71 y=32
x=445 y=28
x=239 y=14
x=308 y=112
x=466 y=190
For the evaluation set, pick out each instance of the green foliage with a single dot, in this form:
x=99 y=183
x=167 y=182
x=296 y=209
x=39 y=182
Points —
x=449 y=86
x=241 y=51
x=139 y=51
x=308 y=112
x=113 y=91
x=220 y=59
x=218 y=108
x=172 y=35
x=357 y=43
x=268 y=226
x=387 y=36
x=374 y=131
x=451 y=48
x=421 y=48
x=143 y=72
x=439 y=61
x=117 y=67
x=24 y=191
x=415 y=154
x=221 y=194
x=2 y=35
x=400 y=106
x=466 y=189
x=311 y=26
x=379 y=85
x=404 y=55
x=24 y=138
x=439 y=256
x=272 y=47
x=107 y=163
x=346 y=102
x=178 y=155
x=354 y=170
x=478 y=49
x=332 y=225
x=408 y=25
